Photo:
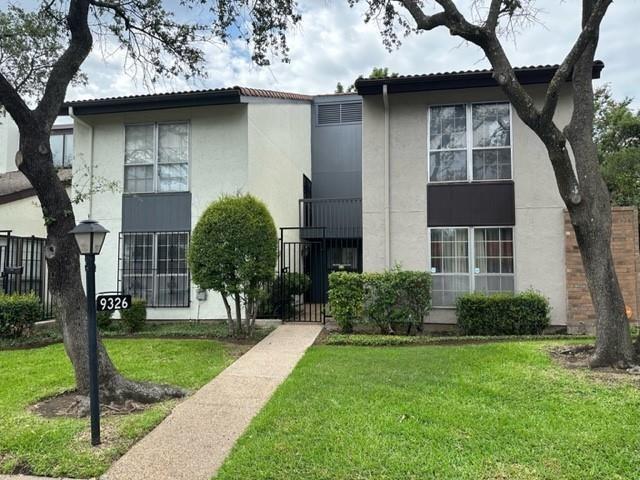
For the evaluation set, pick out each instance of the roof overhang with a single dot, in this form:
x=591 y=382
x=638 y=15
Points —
x=458 y=80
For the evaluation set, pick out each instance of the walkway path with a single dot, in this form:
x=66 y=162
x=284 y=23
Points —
x=193 y=442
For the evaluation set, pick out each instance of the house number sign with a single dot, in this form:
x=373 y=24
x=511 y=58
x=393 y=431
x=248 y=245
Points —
x=108 y=303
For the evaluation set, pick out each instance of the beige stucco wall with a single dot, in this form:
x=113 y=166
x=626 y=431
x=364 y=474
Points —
x=538 y=234
x=279 y=155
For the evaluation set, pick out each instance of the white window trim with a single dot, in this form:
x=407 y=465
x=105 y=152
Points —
x=469 y=137
x=471 y=246
x=155 y=163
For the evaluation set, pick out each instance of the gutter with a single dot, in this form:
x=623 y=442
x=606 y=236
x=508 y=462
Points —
x=90 y=127
x=387 y=180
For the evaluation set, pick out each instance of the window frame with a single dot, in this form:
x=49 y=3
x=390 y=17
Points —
x=156 y=163
x=469 y=140
x=471 y=249
x=154 y=275
x=65 y=133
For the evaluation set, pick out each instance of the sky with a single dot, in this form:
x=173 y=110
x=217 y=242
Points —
x=333 y=44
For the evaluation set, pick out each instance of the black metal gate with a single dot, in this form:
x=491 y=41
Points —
x=23 y=268
x=303 y=278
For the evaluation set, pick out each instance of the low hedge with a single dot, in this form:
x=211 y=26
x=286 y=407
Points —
x=525 y=313
x=346 y=299
x=18 y=313
x=385 y=299
x=365 y=340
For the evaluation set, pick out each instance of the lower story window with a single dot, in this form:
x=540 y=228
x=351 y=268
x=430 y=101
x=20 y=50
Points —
x=153 y=266
x=470 y=259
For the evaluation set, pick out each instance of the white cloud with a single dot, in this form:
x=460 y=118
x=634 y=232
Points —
x=333 y=44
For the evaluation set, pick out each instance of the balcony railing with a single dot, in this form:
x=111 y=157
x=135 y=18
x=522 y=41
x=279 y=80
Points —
x=341 y=217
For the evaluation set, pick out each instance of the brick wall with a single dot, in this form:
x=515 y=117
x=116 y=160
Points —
x=624 y=244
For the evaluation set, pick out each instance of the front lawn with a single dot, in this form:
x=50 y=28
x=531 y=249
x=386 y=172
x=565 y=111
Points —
x=60 y=446
x=493 y=411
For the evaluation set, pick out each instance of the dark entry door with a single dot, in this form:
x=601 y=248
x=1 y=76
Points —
x=303 y=279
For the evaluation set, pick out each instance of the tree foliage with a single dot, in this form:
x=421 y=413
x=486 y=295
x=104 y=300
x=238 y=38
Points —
x=376 y=72
x=233 y=251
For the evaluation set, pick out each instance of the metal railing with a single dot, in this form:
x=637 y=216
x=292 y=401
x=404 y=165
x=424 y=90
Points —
x=23 y=268
x=341 y=217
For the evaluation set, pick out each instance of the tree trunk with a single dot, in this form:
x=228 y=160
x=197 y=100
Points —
x=238 y=304
x=227 y=307
x=35 y=161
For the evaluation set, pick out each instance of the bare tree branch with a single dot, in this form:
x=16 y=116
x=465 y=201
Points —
x=13 y=102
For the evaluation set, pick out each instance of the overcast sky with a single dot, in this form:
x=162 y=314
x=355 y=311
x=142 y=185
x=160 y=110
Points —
x=333 y=44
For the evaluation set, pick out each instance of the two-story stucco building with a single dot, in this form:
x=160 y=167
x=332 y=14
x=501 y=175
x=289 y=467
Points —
x=432 y=172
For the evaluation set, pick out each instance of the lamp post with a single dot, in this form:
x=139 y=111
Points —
x=90 y=236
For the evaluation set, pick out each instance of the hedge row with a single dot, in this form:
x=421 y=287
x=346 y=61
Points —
x=18 y=313
x=525 y=313
x=383 y=299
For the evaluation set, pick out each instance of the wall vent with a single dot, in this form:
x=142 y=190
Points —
x=335 y=113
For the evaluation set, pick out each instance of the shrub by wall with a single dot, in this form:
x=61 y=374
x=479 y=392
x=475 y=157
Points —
x=525 y=313
x=415 y=296
x=135 y=317
x=346 y=299
x=278 y=295
x=104 y=319
x=18 y=313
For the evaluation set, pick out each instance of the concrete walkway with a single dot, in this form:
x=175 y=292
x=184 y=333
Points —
x=193 y=442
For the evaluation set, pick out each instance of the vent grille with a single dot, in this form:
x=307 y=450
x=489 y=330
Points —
x=335 y=113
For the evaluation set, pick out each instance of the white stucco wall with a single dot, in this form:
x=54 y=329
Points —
x=23 y=217
x=538 y=233
x=279 y=155
x=263 y=149
x=9 y=139
x=218 y=165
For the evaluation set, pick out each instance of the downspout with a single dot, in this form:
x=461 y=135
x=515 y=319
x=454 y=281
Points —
x=387 y=181
x=90 y=127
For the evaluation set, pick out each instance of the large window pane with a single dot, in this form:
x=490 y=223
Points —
x=491 y=125
x=173 y=143
x=68 y=150
x=139 y=144
x=448 y=127
x=448 y=166
x=449 y=264
x=138 y=179
x=172 y=178
x=493 y=260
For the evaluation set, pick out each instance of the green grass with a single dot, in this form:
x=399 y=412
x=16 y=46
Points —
x=491 y=411
x=212 y=330
x=60 y=446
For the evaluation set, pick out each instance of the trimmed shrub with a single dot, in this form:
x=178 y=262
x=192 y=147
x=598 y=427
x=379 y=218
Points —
x=135 y=317
x=233 y=250
x=525 y=313
x=346 y=299
x=415 y=296
x=18 y=313
x=105 y=319
x=382 y=300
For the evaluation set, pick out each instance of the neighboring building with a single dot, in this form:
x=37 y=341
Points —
x=20 y=210
x=431 y=172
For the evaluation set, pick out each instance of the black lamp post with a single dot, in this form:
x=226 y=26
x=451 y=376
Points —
x=90 y=236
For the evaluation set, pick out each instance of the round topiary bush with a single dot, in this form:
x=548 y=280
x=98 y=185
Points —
x=233 y=251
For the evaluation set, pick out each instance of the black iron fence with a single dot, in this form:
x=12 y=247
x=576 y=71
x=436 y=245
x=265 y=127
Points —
x=339 y=217
x=153 y=266
x=24 y=269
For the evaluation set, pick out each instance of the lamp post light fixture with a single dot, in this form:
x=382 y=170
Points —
x=90 y=236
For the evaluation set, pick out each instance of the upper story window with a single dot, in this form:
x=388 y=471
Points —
x=469 y=142
x=61 y=142
x=156 y=157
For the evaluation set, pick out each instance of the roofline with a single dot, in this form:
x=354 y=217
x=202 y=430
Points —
x=457 y=80
x=163 y=101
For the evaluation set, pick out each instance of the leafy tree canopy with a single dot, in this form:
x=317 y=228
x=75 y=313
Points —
x=376 y=72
